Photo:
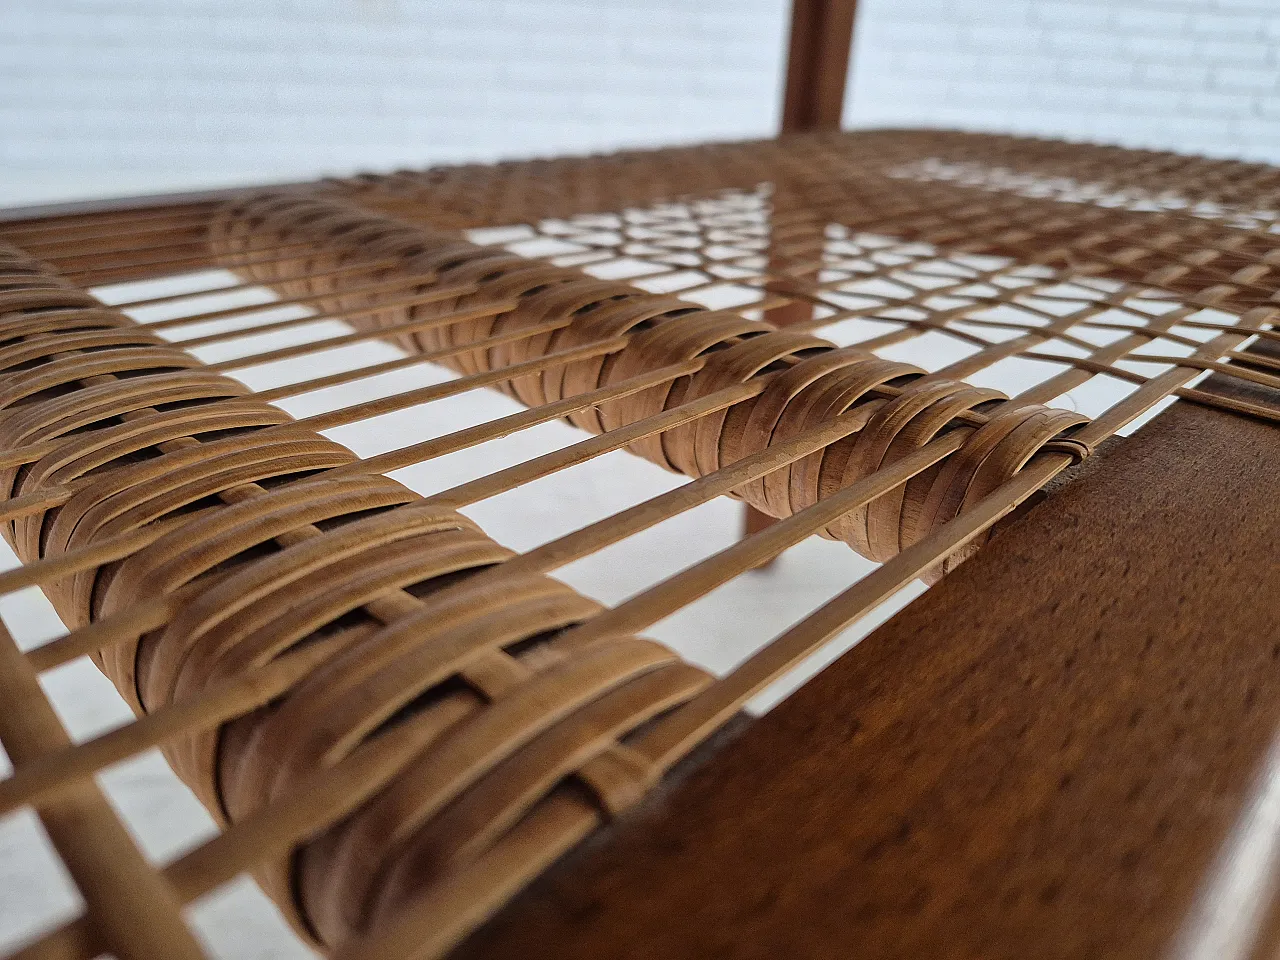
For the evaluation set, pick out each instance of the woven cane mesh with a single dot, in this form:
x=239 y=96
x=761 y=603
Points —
x=889 y=339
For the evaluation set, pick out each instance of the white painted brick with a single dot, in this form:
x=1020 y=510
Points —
x=1177 y=76
x=100 y=95
x=1068 y=15
x=1094 y=71
x=1152 y=103
x=1070 y=97
x=1079 y=43
x=1267 y=108
x=1214 y=103
x=1235 y=53
x=1159 y=48
x=1014 y=68
x=1236 y=25
x=1245 y=79
x=990 y=11
x=1136 y=18
x=1000 y=37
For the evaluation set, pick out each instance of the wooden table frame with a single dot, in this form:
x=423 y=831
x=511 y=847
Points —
x=1080 y=764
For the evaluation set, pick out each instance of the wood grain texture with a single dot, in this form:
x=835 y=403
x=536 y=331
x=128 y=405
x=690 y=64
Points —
x=1040 y=757
x=1012 y=770
x=817 y=64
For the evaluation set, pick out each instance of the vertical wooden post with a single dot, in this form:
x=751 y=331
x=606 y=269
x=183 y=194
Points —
x=817 y=73
x=817 y=64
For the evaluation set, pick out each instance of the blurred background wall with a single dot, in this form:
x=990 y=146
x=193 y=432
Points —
x=102 y=97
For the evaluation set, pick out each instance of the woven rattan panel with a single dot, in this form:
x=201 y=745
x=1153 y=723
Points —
x=891 y=339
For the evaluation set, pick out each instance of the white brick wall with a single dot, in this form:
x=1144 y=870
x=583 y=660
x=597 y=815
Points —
x=1197 y=75
x=112 y=96
x=130 y=95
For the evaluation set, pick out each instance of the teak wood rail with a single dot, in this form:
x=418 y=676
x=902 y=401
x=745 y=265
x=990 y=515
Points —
x=927 y=345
